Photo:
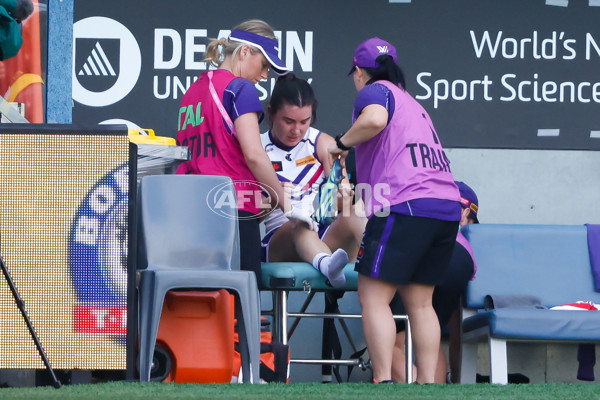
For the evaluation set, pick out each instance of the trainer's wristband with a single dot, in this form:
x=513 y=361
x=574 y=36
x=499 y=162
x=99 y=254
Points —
x=340 y=145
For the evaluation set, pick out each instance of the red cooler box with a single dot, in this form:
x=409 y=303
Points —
x=196 y=332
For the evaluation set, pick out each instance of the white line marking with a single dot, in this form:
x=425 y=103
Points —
x=559 y=3
x=548 y=132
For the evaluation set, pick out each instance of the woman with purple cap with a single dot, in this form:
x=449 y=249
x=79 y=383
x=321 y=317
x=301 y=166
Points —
x=412 y=203
x=219 y=122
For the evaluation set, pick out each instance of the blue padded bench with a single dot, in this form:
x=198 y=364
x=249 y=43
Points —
x=550 y=262
x=282 y=277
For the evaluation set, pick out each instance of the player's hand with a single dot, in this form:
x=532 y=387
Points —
x=346 y=189
x=345 y=197
x=298 y=214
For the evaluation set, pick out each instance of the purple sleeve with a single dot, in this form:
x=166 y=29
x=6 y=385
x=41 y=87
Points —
x=240 y=98
x=374 y=93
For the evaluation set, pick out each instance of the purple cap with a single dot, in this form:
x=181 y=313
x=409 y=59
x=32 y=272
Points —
x=269 y=48
x=367 y=52
x=468 y=198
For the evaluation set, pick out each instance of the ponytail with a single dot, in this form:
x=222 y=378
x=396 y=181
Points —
x=388 y=70
x=213 y=55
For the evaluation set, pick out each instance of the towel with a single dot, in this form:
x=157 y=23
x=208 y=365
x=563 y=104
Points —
x=593 y=236
x=493 y=301
x=586 y=352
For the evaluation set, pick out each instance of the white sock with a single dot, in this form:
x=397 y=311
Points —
x=332 y=266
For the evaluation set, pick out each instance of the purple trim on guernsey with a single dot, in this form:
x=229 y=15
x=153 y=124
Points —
x=281 y=146
x=385 y=236
x=315 y=146
x=302 y=174
x=288 y=148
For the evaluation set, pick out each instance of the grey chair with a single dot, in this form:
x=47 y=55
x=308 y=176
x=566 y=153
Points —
x=185 y=242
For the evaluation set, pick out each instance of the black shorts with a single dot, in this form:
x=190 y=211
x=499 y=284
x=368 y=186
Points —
x=403 y=249
x=446 y=296
x=249 y=244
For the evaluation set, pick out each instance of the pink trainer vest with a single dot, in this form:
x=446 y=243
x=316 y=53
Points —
x=405 y=161
x=214 y=151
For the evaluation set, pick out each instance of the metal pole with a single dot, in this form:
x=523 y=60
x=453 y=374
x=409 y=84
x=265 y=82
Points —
x=21 y=305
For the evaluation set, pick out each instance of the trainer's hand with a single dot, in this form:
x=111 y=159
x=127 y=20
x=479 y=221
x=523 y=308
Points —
x=297 y=214
x=337 y=153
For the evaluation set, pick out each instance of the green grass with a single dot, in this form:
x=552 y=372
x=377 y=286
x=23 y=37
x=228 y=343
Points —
x=305 y=391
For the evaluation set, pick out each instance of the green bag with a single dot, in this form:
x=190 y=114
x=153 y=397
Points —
x=10 y=35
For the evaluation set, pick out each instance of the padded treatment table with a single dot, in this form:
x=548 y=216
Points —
x=282 y=277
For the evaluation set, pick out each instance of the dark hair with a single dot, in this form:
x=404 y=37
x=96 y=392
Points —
x=471 y=217
x=388 y=71
x=293 y=91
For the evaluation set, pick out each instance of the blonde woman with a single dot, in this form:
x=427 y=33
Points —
x=219 y=122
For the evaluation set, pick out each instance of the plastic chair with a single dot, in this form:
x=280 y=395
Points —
x=186 y=244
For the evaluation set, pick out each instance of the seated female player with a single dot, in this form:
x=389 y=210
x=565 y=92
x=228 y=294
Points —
x=300 y=157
